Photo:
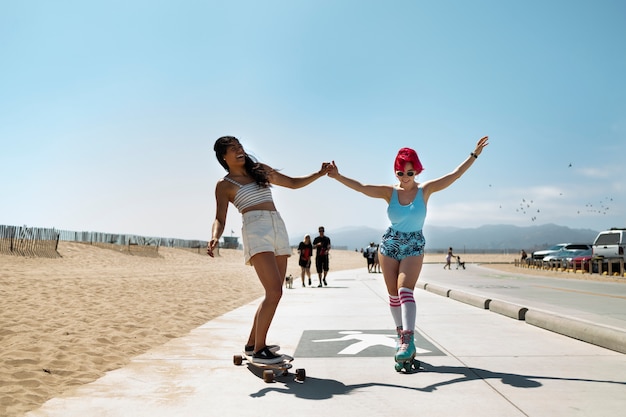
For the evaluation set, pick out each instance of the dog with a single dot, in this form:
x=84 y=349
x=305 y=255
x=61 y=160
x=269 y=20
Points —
x=289 y=282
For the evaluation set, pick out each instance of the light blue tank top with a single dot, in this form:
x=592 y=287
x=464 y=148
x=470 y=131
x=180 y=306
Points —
x=409 y=218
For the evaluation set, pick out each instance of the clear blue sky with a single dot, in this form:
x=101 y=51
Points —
x=109 y=109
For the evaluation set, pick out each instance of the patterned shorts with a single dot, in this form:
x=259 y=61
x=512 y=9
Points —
x=400 y=245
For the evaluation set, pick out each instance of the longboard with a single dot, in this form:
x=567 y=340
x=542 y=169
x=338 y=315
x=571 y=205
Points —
x=270 y=370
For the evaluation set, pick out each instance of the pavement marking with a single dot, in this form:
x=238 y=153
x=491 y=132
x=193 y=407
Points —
x=623 y=297
x=357 y=343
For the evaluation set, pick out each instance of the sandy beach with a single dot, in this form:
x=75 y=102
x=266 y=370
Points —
x=66 y=321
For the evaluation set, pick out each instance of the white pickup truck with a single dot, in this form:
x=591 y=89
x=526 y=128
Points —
x=610 y=244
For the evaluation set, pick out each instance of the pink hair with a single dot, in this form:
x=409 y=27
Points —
x=406 y=155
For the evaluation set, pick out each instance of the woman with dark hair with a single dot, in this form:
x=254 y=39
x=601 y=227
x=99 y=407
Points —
x=264 y=235
x=305 y=250
x=402 y=247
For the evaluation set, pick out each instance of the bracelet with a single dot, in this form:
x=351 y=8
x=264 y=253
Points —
x=474 y=155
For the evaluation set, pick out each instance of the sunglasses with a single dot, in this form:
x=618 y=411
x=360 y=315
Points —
x=401 y=174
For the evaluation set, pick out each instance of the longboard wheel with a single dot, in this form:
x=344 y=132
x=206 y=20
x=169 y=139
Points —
x=237 y=360
x=300 y=374
x=268 y=376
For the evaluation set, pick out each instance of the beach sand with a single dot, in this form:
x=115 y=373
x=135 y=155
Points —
x=66 y=321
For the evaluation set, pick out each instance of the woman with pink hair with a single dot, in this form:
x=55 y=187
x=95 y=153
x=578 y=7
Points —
x=402 y=246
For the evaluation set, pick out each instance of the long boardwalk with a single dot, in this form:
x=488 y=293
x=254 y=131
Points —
x=475 y=362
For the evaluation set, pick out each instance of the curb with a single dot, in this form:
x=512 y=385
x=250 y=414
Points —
x=471 y=299
x=607 y=337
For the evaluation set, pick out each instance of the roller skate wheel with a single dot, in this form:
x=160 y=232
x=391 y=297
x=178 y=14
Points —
x=237 y=360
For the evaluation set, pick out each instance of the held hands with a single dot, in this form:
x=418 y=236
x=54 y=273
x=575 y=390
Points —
x=324 y=170
x=482 y=142
x=333 y=170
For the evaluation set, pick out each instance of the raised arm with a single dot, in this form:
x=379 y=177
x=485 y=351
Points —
x=374 y=191
x=441 y=183
x=283 y=180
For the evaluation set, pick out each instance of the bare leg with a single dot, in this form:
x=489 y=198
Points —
x=271 y=271
x=401 y=274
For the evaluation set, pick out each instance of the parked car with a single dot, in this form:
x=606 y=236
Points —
x=564 y=255
x=610 y=244
x=582 y=260
x=609 y=247
x=541 y=254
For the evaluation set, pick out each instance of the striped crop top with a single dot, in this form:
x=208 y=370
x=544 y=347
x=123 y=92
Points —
x=250 y=195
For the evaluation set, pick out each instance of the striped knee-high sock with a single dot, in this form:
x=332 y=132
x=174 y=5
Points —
x=408 y=308
x=396 y=310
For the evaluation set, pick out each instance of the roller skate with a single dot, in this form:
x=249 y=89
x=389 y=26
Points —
x=405 y=355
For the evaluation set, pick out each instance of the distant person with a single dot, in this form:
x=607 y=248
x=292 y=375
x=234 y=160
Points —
x=402 y=247
x=265 y=239
x=322 y=247
x=305 y=250
x=369 y=251
x=459 y=263
x=448 y=259
x=523 y=256
x=376 y=266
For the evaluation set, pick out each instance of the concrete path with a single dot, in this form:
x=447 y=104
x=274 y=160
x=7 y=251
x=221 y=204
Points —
x=474 y=363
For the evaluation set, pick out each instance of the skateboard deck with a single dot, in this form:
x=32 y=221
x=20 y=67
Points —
x=270 y=370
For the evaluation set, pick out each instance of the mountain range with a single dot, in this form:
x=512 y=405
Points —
x=488 y=238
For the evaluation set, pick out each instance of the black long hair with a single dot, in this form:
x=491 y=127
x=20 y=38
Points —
x=252 y=166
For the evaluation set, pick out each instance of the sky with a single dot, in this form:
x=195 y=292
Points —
x=109 y=109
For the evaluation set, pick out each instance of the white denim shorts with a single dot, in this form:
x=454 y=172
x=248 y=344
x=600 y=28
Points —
x=264 y=231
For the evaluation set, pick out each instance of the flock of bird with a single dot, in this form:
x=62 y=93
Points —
x=527 y=207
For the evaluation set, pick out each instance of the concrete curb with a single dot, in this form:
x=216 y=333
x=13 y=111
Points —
x=603 y=336
x=436 y=289
x=607 y=337
x=511 y=310
x=471 y=299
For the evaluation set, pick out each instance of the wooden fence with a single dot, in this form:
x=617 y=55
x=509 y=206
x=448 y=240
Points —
x=29 y=241
x=128 y=244
x=41 y=242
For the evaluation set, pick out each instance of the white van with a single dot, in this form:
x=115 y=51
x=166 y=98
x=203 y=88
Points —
x=610 y=244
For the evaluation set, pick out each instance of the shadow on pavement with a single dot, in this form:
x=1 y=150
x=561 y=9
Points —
x=323 y=389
